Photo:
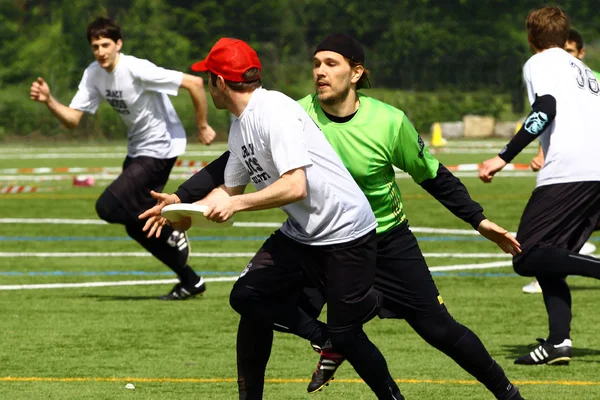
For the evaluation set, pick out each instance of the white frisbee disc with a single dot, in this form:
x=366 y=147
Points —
x=176 y=212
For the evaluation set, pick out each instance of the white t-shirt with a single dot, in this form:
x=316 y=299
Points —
x=572 y=142
x=138 y=90
x=275 y=135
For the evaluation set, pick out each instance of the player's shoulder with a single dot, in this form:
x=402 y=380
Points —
x=380 y=108
x=132 y=62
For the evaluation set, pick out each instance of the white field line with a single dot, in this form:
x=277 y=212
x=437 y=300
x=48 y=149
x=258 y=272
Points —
x=184 y=176
x=66 y=221
x=92 y=155
x=217 y=279
x=473 y=150
x=105 y=284
x=54 y=254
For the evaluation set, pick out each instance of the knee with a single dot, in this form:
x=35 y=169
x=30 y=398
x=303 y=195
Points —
x=440 y=330
x=524 y=265
x=107 y=208
x=243 y=299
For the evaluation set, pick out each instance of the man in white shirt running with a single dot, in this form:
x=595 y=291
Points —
x=573 y=46
x=564 y=208
x=328 y=240
x=138 y=90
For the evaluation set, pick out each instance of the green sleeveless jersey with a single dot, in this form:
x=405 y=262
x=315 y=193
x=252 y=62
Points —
x=375 y=140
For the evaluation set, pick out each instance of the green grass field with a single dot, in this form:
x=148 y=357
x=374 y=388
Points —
x=89 y=342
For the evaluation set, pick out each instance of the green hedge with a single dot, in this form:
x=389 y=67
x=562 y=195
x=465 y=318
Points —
x=21 y=117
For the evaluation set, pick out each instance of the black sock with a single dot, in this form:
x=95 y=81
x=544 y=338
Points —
x=556 y=262
x=459 y=343
x=557 y=298
x=368 y=362
x=173 y=255
x=254 y=341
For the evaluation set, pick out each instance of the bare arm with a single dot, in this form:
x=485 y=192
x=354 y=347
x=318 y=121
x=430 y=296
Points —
x=40 y=92
x=291 y=187
x=195 y=85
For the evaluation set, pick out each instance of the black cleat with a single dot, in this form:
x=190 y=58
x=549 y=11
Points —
x=546 y=353
x=179 y=292
x=328 y=364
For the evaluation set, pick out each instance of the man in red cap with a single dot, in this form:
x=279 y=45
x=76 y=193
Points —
x=328 y=239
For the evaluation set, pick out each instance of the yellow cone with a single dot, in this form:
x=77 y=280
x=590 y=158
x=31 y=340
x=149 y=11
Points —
x=436 y=137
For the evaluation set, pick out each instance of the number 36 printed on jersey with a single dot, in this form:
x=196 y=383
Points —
x=587 y=76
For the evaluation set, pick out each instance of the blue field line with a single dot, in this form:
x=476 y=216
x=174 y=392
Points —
x=217 y=238
x=206 y=273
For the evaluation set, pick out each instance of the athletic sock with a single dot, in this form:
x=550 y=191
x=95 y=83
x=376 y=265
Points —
x=557 y=298
x=254 y=342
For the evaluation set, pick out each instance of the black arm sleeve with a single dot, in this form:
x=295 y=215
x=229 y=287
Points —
x=453 y=195
x=543 y=112
x=204 y=181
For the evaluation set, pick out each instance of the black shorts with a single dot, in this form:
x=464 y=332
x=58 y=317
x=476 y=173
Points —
x=562 y=215
x=140 y=175
x=343 y=274
x=401 y=275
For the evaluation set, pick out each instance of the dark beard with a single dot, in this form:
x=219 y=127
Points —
x=339 y=98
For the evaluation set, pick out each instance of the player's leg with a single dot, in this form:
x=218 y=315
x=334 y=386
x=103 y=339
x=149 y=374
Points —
x=556 y=222
x=410 y=292
x=126 y=197
x=270 y=286
x=352 y=301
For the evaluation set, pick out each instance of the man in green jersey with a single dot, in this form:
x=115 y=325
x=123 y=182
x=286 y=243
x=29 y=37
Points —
x=371 y=138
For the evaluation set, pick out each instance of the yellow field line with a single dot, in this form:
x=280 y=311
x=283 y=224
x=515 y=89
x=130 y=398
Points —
x=232 y=380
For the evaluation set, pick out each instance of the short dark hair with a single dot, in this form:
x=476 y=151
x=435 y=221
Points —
x=103 y=27
x=251 y=82
x=576 y=37
x=548 y=27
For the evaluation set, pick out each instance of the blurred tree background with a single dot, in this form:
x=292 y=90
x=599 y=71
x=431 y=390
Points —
x=435 y=59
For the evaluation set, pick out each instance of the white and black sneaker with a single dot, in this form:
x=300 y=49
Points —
x=180 y=292
x=546 y=353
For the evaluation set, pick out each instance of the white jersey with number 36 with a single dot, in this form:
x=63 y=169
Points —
x=571 y=143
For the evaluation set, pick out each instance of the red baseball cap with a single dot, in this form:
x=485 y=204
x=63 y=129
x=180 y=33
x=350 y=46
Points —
x=229 y=58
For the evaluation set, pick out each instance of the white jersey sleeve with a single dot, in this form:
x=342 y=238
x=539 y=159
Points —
x=155 y=78
x=286 y=135
x=540 y=80
x=235 y=172
x=87 y=97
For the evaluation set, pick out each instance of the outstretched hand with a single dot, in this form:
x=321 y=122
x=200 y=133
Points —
x=155 y=220
x=490 y=167
x=500 y=236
